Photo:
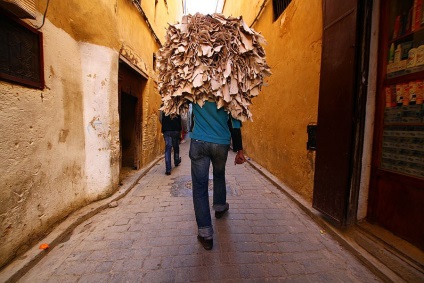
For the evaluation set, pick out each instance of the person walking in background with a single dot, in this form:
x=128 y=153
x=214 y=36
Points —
x=171 y=130
x=210 y=141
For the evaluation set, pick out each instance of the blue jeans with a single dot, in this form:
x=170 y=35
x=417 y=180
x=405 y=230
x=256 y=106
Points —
x=172 y=140
x=201 y=155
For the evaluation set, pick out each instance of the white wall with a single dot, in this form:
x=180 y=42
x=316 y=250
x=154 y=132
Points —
x=101 y=119
x=59 y=146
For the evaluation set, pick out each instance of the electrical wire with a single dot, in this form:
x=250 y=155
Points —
x=44 y=15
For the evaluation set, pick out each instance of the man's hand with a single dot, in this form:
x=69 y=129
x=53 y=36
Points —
x=240 y=159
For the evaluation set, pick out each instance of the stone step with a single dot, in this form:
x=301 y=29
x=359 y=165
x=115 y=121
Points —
x=403 y=264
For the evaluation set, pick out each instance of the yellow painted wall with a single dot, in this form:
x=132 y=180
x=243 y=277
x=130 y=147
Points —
x=120 y=26
x=247 y=10
x=276 y=139
x=60 y=145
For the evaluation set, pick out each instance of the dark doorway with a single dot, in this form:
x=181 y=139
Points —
x=131 y=85
x=127 y=134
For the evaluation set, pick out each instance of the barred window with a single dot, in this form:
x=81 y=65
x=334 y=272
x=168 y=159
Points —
x=21 y=52
x=279 y=6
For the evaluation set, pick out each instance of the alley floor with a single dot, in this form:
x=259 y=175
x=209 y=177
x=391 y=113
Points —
x=151 y=237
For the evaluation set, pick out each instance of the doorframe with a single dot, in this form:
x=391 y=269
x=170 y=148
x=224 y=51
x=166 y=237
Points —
x=368 y=139
x=122 y=60
x=365 y=16
x=133 y=66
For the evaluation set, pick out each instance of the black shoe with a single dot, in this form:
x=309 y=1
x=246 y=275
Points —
x=168 y=173
x=219 y=214
x=177 y=162
x=206 y=243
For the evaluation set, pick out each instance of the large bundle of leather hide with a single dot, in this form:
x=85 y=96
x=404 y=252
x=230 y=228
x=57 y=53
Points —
x=211 y=57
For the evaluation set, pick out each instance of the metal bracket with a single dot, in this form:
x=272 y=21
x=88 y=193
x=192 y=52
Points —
x=311 y=129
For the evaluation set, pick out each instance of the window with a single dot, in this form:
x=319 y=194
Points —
x=21 y=51
x=279 y=6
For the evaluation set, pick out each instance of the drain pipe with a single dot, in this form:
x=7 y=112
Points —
x=259 y=13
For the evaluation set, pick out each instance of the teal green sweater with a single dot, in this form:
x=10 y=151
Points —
x=210 y=124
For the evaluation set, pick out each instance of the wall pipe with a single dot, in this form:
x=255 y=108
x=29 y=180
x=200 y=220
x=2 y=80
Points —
x=259 y=13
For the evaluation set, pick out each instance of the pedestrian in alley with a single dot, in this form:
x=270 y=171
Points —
x=210 y=141
x=171 y=130
x=218 y=64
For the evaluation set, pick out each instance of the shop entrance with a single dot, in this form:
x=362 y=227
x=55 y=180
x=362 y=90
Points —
x=396 y=199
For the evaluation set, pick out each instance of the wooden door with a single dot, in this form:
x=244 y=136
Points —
x=336 y=108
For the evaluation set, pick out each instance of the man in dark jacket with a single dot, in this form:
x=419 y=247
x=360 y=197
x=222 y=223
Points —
x=171 y=130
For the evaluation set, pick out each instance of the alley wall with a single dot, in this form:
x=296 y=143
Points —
x=288 y=102
x=59 y=145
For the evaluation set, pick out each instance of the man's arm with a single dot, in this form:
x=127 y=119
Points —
x=235 y=130
x=160 y=114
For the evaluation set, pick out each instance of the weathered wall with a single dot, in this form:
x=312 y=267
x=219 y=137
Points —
x=247 y=10
x=277 y=137
x=99 y=68
x=162 y=13
x=42 y=147
x=60 y=146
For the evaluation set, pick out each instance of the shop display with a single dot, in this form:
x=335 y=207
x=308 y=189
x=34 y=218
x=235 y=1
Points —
x=396 y=191
x=402 y=149
x=406 y=49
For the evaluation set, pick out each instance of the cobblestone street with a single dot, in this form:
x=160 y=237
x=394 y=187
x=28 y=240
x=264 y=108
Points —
x=151 y=237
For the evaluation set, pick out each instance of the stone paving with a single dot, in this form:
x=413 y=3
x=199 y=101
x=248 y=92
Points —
x=151 y=237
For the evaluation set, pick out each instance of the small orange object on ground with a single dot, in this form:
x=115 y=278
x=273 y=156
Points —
x=44 y=246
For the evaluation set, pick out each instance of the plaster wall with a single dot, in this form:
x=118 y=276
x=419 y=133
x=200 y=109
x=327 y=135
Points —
x=139 y=52
x=152 y=142
x=247 y=10
x=276 y=139
x=161 y=13
x=85 y=21
x=59 y=146
x=99 y=69
x=42 y=147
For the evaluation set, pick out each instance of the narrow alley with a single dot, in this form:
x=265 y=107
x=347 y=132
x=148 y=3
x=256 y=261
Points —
x=330 y=95
x=151 y=237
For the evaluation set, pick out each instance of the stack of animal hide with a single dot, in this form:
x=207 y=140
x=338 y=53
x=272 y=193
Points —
x=211 y=58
